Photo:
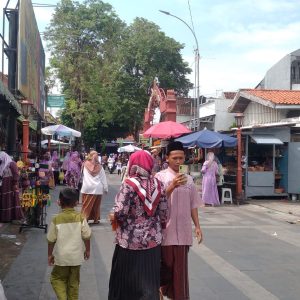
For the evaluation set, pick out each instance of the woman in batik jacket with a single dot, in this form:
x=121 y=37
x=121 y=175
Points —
x=141 y=211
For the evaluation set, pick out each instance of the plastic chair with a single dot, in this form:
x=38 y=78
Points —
x=226 y=195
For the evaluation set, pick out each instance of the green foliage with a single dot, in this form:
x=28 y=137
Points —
x=106 y=67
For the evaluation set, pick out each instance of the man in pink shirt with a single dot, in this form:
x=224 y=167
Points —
x=183 y=203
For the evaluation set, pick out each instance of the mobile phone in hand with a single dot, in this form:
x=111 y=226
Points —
x=183 y=169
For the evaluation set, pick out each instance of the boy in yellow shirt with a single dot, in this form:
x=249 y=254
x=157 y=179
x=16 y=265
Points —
x=68 y=245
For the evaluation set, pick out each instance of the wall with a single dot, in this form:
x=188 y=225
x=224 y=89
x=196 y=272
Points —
x=296 y=87
x=182 y=118
x=224 y=120
x=279 y=76
x=217 y=107
x=207 y=109
x=256 y=113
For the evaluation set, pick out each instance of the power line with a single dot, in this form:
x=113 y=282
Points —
x=191 y=15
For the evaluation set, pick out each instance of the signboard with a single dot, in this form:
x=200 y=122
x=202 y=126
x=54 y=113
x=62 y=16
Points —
x=31 y=58
x=56 y=101
x=145 y=141
x=157 y=143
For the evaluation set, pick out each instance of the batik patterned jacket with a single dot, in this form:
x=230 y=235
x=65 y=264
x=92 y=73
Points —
x=137 y=230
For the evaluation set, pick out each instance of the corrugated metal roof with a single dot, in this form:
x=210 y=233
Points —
x=266 y=139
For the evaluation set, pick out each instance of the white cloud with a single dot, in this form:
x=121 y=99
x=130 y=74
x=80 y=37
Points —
x=257 y=34
x=271 y=5
x=266 y=55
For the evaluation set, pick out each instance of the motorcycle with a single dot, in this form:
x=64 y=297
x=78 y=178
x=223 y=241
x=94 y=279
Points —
x=111 y=166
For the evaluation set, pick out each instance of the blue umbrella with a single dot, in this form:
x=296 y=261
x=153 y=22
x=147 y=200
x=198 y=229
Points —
x=207 y=139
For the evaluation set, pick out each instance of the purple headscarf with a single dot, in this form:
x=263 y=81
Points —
x=66 y=161
x=74 y=164
x=54 y=156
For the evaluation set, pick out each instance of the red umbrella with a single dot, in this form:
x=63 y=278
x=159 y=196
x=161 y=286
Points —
x=167 y=129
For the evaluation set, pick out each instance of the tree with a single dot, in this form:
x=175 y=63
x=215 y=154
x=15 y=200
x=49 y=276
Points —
x=106 y=67
x=144 y=53
x=81 y=38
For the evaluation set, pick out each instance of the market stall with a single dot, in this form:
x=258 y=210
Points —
x=264 y=163
x=61 y=131
x=207 y=139
x=35 y=196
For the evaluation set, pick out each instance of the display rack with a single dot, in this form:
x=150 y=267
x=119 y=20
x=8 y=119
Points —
x=34 y=201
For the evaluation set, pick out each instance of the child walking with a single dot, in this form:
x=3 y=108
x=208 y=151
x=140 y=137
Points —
x=68 y=245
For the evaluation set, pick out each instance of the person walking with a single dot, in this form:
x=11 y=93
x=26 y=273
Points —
x=10 y=208
x=74 y=170
x=210 y=171
x=68 y=245
x=55 y=163
x=183 y=201
x=119 y=167
x=140 y=211
x=94 y=183
x=65 y=164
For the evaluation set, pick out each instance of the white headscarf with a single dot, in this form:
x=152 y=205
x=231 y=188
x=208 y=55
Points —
x=5 y=161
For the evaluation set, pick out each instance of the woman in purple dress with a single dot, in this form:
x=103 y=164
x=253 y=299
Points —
x=140 y=211
x=209 y=183
x=74 y=170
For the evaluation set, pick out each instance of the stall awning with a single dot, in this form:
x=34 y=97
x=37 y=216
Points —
x=266 y=139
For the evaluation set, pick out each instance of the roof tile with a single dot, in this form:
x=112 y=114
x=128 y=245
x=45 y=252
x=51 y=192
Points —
x=286 y=97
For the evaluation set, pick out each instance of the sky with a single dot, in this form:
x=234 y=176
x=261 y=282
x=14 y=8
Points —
x=239 y=40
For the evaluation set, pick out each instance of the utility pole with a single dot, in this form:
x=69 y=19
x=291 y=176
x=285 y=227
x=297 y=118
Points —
x=197 y=67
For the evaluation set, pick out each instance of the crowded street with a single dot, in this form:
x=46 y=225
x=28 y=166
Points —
x=249 y=252
x=149 y=150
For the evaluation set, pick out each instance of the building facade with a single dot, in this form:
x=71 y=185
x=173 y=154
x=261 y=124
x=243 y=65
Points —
x=284 y=75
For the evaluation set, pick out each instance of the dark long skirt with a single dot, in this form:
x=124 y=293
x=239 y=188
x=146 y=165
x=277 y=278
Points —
x=135 y=274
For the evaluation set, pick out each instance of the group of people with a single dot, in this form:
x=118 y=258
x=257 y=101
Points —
x=153 y=216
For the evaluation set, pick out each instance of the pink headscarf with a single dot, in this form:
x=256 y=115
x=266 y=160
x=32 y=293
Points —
x=140 y=164
x=141 y=180
x=92 y=164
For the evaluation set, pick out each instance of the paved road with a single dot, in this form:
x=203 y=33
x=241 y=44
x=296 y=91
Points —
x=249 y=252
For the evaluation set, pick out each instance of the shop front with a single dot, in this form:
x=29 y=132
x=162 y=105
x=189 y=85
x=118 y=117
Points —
x=266 y=162
x=9 y=111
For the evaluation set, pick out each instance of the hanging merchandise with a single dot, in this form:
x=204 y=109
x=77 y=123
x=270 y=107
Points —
x=34 y=199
